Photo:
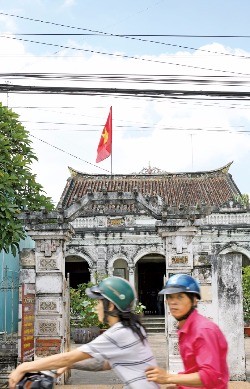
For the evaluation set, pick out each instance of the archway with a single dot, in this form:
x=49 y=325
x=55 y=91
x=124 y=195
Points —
x=245 y=261
x=151 y=270
x=120 y=268
x=77 y=269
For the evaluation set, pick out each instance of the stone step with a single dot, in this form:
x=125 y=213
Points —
x=154 y=324
x=153 y=321
x=152 y=317
x=155 y=329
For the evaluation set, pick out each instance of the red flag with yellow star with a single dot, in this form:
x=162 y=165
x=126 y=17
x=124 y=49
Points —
x=105 y=145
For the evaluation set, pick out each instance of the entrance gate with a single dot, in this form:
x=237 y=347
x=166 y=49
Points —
x=8 y=322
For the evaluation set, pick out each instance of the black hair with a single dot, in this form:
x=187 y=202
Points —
x=128 y=319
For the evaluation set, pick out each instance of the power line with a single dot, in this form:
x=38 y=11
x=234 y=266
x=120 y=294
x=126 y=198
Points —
x=66 y=152
x=135 y=92
x=149 y=127
x=102 y=33
x=132 y=77
x=134 y=35
x=124 y=56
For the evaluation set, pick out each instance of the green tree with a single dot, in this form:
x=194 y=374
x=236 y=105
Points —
x=18 y=187
x=246 y=294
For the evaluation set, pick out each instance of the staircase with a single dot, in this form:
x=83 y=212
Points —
x=154 y=323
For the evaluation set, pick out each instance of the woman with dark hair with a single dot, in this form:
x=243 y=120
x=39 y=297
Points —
x=124 y=345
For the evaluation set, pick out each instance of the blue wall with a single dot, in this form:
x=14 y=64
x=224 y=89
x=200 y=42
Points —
x=9 y=281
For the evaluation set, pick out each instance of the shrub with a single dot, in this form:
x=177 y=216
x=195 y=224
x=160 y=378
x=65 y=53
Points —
x=82 y=308
x=246 y=294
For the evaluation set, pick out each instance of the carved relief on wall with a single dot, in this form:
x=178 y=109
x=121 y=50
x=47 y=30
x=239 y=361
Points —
x=172 y=325
x=101 y=221
x=129 y=220
x=202 y=259
x=48 y=305
x=27 y=257
x=115 y=221
x=178 y=260
x=173 y=346
x=48 y=327
x=203 y=275
x=47 y=264
x=47 y=246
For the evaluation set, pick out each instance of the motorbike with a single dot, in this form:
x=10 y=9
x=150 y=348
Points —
x=40 y=380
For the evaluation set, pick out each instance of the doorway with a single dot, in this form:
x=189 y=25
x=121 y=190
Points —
x=151 y=271
x=78 y=271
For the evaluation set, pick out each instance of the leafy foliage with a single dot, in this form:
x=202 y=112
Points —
x=82 y=308
x=139 y=308
x=246 y=293
x=243 y=200
x=18 y=187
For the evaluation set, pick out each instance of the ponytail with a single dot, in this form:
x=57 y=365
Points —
x=128 y=319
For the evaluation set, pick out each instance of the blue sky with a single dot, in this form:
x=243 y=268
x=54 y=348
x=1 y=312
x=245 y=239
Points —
x=171 y=134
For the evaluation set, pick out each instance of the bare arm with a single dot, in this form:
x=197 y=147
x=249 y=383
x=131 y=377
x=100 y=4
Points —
x=49 y=363
x=161 y=376
x=90 y=364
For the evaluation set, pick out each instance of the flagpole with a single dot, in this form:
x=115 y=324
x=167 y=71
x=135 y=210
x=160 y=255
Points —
x=111 y=161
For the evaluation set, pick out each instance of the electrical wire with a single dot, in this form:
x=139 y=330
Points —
x=135 y=92
x=124 y=56
x=102 y=33
x=66 y=152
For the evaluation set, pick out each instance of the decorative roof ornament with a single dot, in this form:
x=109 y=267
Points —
x=150 y=170
x=72 y=171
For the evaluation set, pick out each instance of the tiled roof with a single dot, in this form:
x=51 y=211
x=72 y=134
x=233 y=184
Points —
x=214 y=187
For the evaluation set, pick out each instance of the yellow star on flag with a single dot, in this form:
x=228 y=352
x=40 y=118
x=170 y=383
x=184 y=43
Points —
x=105 y=135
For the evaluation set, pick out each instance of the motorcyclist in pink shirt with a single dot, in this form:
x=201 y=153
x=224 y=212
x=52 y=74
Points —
x=203 y=347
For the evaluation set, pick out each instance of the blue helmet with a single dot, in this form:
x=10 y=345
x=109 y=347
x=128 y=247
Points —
x=181 y=283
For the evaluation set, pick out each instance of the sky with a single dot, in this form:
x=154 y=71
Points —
x=176 y=74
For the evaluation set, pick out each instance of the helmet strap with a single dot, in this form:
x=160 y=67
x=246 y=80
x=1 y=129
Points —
x=184 y=317
x=107 y=312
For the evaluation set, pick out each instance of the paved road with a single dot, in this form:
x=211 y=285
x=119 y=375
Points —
x=108 y=380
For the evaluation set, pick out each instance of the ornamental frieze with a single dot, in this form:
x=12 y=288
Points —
x=173 y=346
x=48 y=327
x=47 y=246
x=179 y=260
x=115 y=221
x=48 y=305
x=27 y=257
x=47 y=264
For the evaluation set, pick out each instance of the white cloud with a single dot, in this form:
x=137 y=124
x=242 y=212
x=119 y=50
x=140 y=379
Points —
x=68 y=3
x=166 y=143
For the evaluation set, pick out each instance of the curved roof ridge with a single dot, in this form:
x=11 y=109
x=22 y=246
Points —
x=224 y=169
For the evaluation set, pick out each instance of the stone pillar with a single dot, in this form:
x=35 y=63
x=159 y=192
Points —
x=101 y=261
x=179 y=259
x=110 y=271
x=227 y=295
x=131 y=274
x=93 y=273
x=51 y=315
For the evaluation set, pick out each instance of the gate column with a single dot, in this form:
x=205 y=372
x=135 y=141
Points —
x=51 y=312
x=227 y=295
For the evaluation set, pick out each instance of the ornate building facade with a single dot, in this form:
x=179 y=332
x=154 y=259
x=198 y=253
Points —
x=143 y=227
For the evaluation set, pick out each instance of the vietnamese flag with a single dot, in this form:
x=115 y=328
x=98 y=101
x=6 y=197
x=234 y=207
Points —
x=105 y=145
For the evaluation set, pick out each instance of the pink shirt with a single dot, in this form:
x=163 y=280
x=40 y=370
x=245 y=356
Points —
x=203 y=349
